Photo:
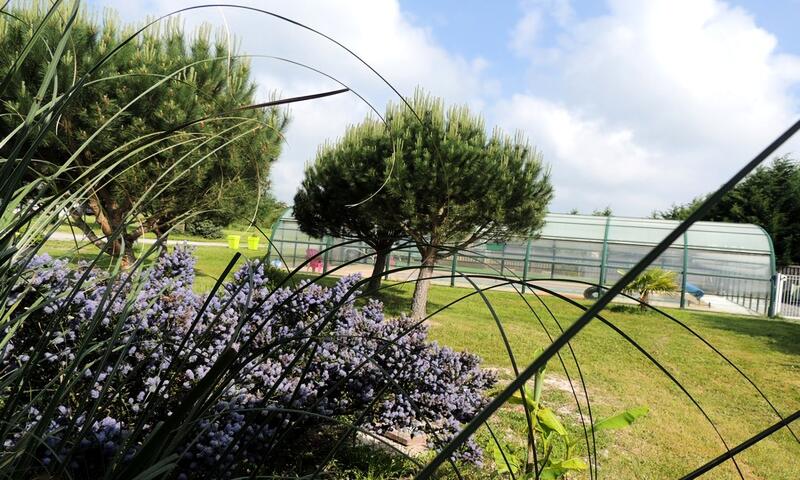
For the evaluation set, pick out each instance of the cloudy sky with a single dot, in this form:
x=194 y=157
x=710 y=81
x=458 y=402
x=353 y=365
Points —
x=634 y=104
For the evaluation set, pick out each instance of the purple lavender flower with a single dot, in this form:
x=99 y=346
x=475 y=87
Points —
x=310 y=350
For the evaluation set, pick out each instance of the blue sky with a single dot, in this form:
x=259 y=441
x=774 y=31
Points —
x=453 y=23
x=633 y=104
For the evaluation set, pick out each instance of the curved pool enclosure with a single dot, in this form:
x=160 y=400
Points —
x=729 y=262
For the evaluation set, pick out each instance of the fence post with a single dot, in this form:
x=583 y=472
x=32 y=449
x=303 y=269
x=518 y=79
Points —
x=684 y=273
x=328 y=242
x=525 y=265
x=604 y=252
x=773 y=274
x=453 y=269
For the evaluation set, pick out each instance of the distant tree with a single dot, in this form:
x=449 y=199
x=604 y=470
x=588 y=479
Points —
x=457 y=186
x=439 y=179
x=574 y=211
x=768 y=197
x=219 y=166
x=603 y=212
x=341 y=193
x=679 y=211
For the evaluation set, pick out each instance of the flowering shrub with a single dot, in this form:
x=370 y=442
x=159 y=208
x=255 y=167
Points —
x=141 y=344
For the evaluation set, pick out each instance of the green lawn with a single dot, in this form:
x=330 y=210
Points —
x=242 y=231
x=674 y=437
x=211 y=261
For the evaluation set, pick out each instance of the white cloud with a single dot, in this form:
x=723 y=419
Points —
x=687 y=91
x=526 y=32
x=593 y=162
x=377 y=30
x=650 y=103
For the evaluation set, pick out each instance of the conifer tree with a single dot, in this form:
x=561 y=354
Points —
x=435 y=175
x=155 y=175
x=458 y=185
x=336 y=196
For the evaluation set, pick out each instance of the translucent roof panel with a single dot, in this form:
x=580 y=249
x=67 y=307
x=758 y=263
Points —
x=621 y=232
x=574 y=227
x=736 y=237
x=639 y=231
x=740 y=237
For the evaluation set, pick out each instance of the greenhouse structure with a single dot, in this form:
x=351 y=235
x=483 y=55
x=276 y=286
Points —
x=715 y=263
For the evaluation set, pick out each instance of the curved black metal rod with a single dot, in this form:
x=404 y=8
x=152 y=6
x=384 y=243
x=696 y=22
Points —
x=653 y=361
x=564 y=298
x=706 y=342
x=512 y=358
x=742 y=446
x=598 y=306
x=533 y=287
x=591 y=448
x=593 y=473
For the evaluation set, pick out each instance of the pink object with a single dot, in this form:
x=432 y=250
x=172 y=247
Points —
x=316 y=261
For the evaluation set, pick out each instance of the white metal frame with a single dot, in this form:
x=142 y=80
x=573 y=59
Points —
x=787 y=301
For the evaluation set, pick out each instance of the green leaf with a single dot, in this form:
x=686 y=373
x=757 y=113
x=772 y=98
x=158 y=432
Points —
x=574 y=463
x=531 y=401
x=503 y=464
x=557 y=470
x=551 y=473
x=622 y=419
x=516 y=399
x=549 y=421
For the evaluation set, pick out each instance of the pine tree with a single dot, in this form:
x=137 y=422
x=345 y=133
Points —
x=460 y=186
x=336 y=196
x=155 y=176
x=438 y=179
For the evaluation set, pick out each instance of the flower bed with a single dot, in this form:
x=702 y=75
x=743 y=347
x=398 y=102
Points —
x=125 y=354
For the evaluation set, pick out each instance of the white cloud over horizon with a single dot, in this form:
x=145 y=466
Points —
x=657 y=101
x=647 y=104
x=377 y=31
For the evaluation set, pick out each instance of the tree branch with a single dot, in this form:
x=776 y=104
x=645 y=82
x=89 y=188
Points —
x=87 y=230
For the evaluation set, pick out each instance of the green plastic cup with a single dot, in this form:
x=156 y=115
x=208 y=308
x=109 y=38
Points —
x=233 y=241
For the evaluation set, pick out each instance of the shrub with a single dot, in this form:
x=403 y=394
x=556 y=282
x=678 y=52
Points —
x=306 y=357
x=204 y=228
x=652 y=281
x=275 y=276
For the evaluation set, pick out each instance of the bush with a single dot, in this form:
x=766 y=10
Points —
x=652 y=281
x=134 y=348
x=204 y=228
x=274 y=276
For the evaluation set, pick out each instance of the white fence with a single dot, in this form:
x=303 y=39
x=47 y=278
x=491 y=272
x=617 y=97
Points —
x=787 y=302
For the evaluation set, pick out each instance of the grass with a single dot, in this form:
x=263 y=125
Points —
x=674 y=438
x=211 y=261
x=242 y=231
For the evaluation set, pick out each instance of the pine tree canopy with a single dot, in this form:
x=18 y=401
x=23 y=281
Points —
x=163 y=79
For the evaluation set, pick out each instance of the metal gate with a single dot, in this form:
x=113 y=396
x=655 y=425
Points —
x=788 y=296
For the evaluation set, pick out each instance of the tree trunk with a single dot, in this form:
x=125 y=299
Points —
x=128 y=255
x=645 y=299
x=110 y=220
x=377 y=271
x=162 y=238
x=419 y=304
